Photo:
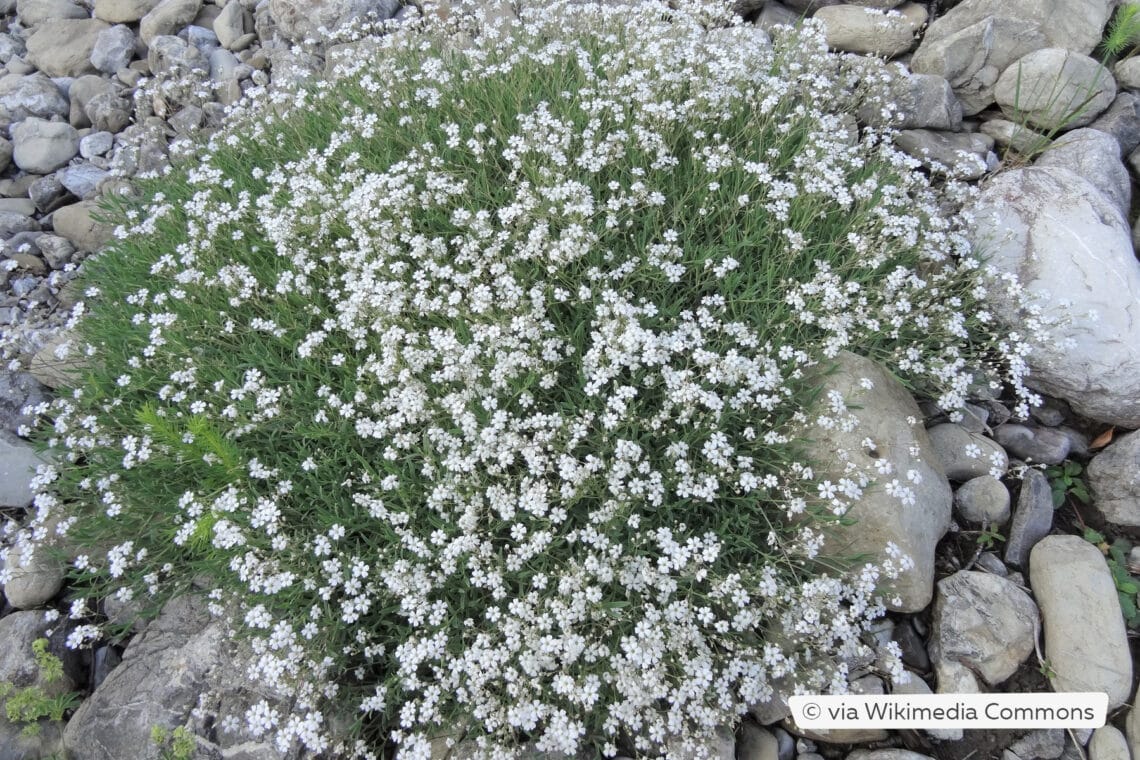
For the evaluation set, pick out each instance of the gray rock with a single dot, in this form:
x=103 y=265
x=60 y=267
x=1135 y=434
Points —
x=775 y=14
x=96 y=144
x=1063 y=239
x=35 y=12
x=887 y=754
x=180 y=655
x=57 y=251
x=1128 y=73
x=57 y=361
x=918 y=686
x=168 y=17
x=1108 y=743
x=1054 y=88
x=963 y=154
x=5 y=154
x=856 y=29
x=223 y=73
x=1132 y=731
x=1034 y=445
x=114 y=49
x=77 y=224
x=882 y=414
x=18 y=463
x=82 y=180
x=200 y=37
x=187 y=120
x=63 y=48
x=32 y=580
x=17 y=391
x=19 y=631
x=231 y=24
x=173 y=56
x=1122 y=121
x=82 y=91
x=32 y=95
x=756 y=743
x=42 y=146
x=123 y=11
x=976 y=40
x=1094 y=156
x=16 y=744
x=46 y=192
x=984 y=622
x=1114 y=478
x=1040 y=744
x=298 y=20
x=1085 y=639
x=1032 y=520
x=108 y=112
x=1017 y=137
x=11 y=47
x=990 y=562
x=12 y=222
x=965 y=455
x=983 y=501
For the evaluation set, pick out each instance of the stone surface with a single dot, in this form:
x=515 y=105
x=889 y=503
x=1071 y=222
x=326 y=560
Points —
x=1018 y=137
x=965 y=455
x=31 y=95
x=882 y=414
x=1085 y=638
x=168 y=17
x=301 y=19
x=123 y=11
x=18 y=666
x=983 y=622
x=42 y=146
x=114 y=49
x=976 y=40
x=230 y=25
x=917 y=101
x=1122 y=121
x=965 y=154
x=55 y=363
x=983 y=501
x=756 y=743
x=1032 y=520
x=1040 y=744
x=1114 y=479
x=76 y=223
x=63 y=48
x=1032 y=444
x=82 y=180
x=33 y=580
x=855 y=29
x=1127 y=73
x=18 y=462
x=108 y=112
x=1054 y=88
x=17 y=390
x=179 y=655
x=1108 y=743
x=1094 y=156
x=1065 y=241
x=96 y=144
x=34 y=12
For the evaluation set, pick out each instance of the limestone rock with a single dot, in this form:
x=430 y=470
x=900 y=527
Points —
x=985 y=623
x=1114 y=478
x=123 y=11
x=114 y=49
x=1085 y=639
x=1054 y=88
x=168 y=17
x=966 y=455
x=1094 y=156
x=856 y=29
x=964 y=154
x=18 y=463
x=1108 y=744
x=31 y=95
x=63 y=48
x=1032 y=520
x=881 y=519
x=34 y=12
x=42 y=146
x=298 y=20
x=76 y=223
x=983 y=501
x=1066 y=242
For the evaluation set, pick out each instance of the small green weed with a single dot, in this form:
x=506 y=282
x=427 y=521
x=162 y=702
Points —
x=1065 y=480
x=1127 y=584
x=173 y=745
x=989 y=537
x=31 y=704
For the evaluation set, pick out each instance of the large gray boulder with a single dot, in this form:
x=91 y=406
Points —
x=18 y=462
x=881 y=414
x=114 y=49
x=1071 y=249
x=180 y=656
x=40 y=147
x=976 y=40
x=298 y=20
x=855 y=29
x=1055 y=89
x=911 y=101
x=123 y=11
x=1086 y=643
x=31 y=95
x=1094 y=156
x=1114 y=477
x=168 y=17
x=63 y=48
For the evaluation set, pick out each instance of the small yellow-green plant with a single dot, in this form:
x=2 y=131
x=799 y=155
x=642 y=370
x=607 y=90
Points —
x=173 y=745
x=31 y=704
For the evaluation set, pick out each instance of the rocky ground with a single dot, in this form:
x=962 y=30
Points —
x=83 y=116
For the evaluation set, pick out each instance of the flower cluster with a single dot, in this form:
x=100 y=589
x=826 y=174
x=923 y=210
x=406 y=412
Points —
x=474 y=380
